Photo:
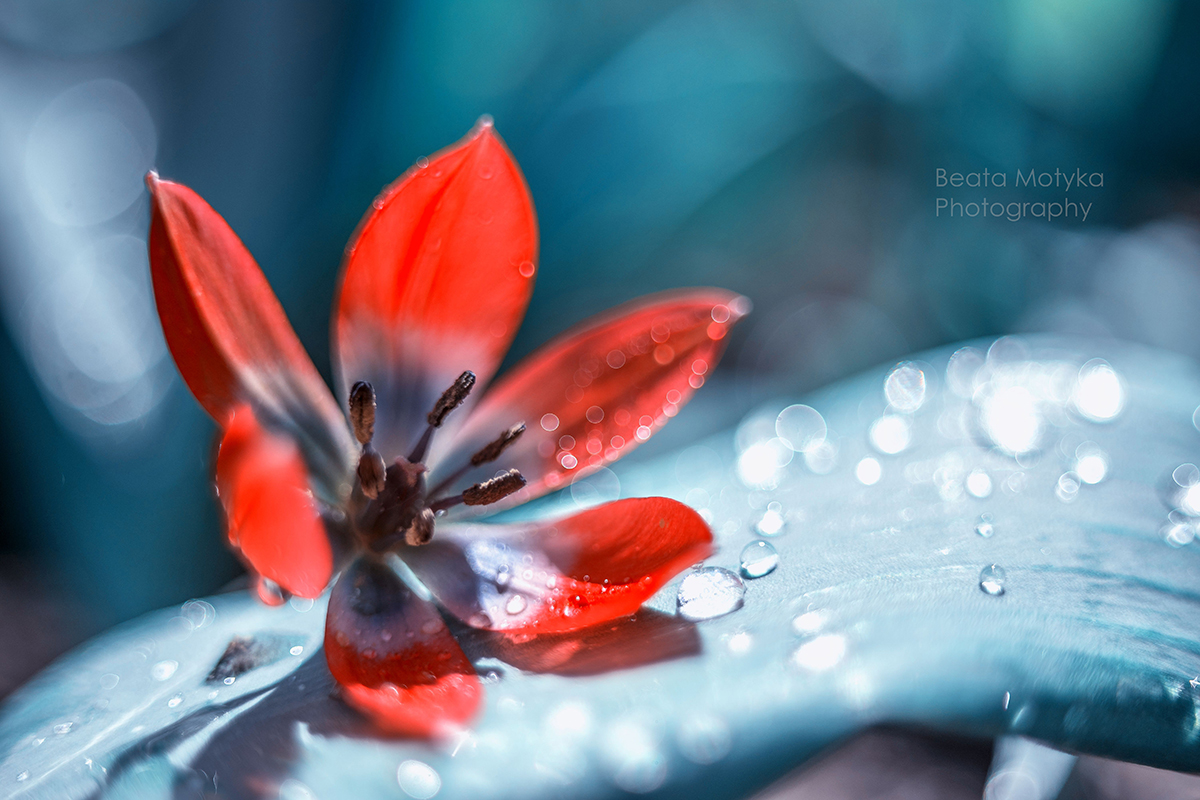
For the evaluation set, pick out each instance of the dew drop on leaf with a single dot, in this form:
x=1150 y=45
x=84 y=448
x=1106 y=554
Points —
x=709 y=592
x=758 y=559
x=991 y=580
x=984 y=527
x=418 y=780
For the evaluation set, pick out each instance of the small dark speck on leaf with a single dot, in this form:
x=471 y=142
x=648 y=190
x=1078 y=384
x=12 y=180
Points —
x=243 y=654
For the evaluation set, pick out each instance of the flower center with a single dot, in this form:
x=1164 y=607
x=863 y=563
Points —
x=391 y=503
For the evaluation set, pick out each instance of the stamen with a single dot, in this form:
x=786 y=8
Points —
x=484 y=493
x=420 y=530
x=362 y=411
x=452 y=398
x=493 y=450
x=490 y=491
x=372 y=473
x=489 y=453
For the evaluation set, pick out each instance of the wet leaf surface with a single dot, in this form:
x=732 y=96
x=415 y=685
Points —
x=1002 y=548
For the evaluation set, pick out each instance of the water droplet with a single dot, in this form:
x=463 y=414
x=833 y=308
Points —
x=809 y=622
x=301 y=604
x=904 y=387
x=174 y=701
x=23 y=775
x=526 y=268
x=984 y=526
x=109 y=680
x=515 y=605
x=822 y=459
x=418 y=780
x=297 y=650
x=704 y=738
x=1099 y=394
x=1012 y=419
x=229 y=681
x=739 y=643
x=891 y=434
x=1178 y=533
x=758 y=559
x=199 y=612
x=709 y=592
x=422 y=162
x=991 y=579
x=772 y=522
x=1091 y=464
x=292 y=789
x=800 y=427
x=821 y=653
x=63 y=728
x=979 y=483
x=163 y=670
x=868 y=471
x=1067 y=488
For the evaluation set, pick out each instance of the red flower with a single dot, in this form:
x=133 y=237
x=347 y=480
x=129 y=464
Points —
x=435 y=282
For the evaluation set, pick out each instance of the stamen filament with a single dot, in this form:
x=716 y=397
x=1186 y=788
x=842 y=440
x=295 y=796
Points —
x=451 y=399
x=490 y=452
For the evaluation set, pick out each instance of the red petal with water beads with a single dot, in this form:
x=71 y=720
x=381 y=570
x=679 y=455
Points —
x=562 y=575
x=436 y=282
x=272 y=517
x=229 y=335
x=595 y=393
x=394 y=657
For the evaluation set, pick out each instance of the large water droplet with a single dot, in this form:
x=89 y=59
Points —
x=515 y=605
x=758 y=559
x=904 y=387
x=709 y=592
x=991 y=579
x=174 y=701
x=984 y=526
x=297 y=650
x=63 y=728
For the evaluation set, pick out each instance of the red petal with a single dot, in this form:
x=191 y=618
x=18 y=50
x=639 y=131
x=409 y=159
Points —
x=436 y=282
x=229 y=335
x=563 y=575
x=272 y=517
x=592 y=395
x=394 y=656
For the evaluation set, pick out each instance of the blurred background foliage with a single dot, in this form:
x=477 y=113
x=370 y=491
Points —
x=783 y=149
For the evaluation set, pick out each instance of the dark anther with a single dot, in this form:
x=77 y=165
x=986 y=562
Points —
x=362 y=411
x=490 y=491
x=452 y=398
x=420 y=530
x=371 y=472
x=493 y=450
